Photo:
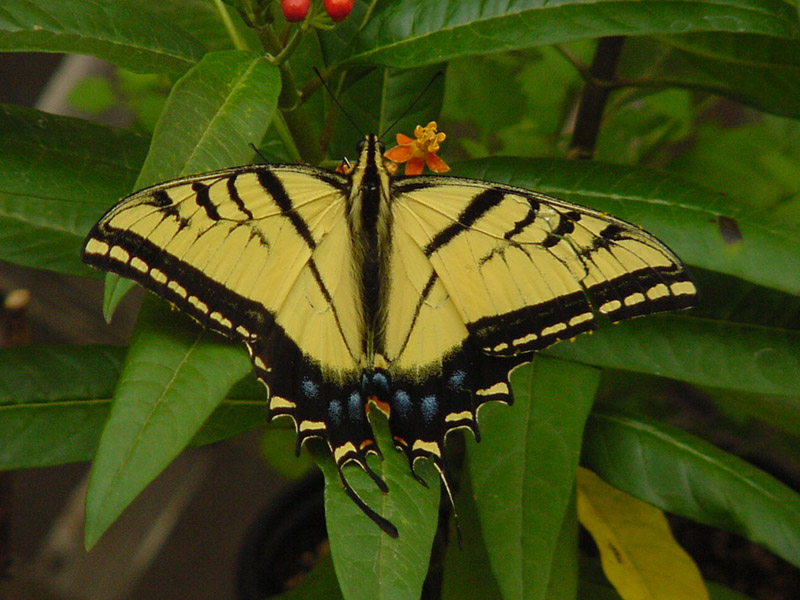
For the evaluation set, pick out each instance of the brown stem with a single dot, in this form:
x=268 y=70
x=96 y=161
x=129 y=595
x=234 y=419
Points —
x=595 y=95
x=14 y=331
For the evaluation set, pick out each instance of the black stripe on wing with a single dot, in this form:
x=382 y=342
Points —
x=209 y=302
x=273 y=186
x=477 y=208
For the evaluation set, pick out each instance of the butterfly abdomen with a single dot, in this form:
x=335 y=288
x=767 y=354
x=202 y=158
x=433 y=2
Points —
x=370 y=222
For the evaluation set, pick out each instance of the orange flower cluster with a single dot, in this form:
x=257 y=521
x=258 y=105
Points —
x=417 y=153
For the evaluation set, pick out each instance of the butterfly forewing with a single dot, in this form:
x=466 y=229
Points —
x=522 y=268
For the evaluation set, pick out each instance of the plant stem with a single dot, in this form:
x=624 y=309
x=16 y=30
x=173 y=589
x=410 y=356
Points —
x=595 y=95
x=237 y=40
x=289 y=100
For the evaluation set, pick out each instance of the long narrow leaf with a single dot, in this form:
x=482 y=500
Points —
x=467 y=570
x=212 y=116
x=57 y=175
x=120 y=31
x=54 y=401
x=736 y=356
x=369 y=563
x=687 y=476
x=412 y=33
x=172 y=381
x=758 y=70
x=524 y=468
x=563 y=583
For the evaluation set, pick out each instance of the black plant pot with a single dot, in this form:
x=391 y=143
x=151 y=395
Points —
x=285 y=541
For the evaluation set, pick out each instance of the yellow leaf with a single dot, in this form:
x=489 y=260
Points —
x=640 y=557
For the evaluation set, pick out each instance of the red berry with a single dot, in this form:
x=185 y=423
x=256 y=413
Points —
x=338 y=9
x=295 y=10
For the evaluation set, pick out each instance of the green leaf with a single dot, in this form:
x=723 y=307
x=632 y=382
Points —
x=241 y=410
x=57 y=176
x=277 y=446
x=172 y=381
x=758 y=70
x=376 y=100
x=737 y=356
x=720 y=592
x=202 y=20
x=756 y=164
x=692 y=220
x=214 y=112
x=410 y=33
x=523 y=471
x=563 y=583
x=54 y=402
x=684 y=475
x=733 y=299
x=119 y=31
x=467 y=570
x=369 y=563
x=532 y=93
x=643 y=126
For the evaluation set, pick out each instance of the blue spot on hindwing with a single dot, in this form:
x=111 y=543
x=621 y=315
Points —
x=402 y=403
x=457 y=379
x=335 y=412
x=310 y=388
x=380 y=381
x=429 y=407
x=354 y=406
x=374 y=384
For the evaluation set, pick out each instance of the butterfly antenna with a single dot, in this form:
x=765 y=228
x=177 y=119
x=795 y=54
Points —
x=337 y=103
x=436 y=76
x=258 y=152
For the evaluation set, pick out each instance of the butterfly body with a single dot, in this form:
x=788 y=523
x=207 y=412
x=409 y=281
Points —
x=416 y=296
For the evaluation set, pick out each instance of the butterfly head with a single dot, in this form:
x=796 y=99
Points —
x=371 y=168
x=370 y=140
x=370 y=151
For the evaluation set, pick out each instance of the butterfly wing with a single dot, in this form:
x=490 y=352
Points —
x=259 y=254
x=482 y=274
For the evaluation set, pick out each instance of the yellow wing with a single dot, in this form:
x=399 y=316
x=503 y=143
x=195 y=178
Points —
x=257 y=253
x=482 y=273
